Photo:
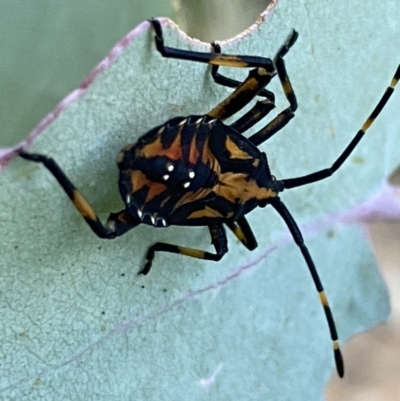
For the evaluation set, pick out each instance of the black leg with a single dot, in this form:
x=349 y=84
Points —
x=259 y=111
x=229 y=82
x=243 y=232
x=298 y=238
x=209 y=58
x=253 y=116
x=257 y=79
x=218 y=239
x=325 y=173
x=117 y=223
x=286 y=115
x=243 y=94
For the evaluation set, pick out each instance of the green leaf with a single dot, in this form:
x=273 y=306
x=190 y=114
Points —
x=48 y=47
x=77 y=321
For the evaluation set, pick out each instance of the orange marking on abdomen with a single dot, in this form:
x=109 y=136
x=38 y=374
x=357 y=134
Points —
x=236 y=187
x=155 y=188
x=193 y=152
x=235 y=151
x=155 y=148
x=206 y=212
x=139 y=180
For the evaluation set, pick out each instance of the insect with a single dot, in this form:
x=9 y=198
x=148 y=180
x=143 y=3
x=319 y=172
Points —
x=198 y=171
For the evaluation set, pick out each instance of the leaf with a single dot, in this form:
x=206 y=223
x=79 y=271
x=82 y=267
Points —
x=76 y=317
x=48 y=47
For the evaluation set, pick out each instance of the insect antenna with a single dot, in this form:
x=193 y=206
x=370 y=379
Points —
x=279 y=206
x=327 y=172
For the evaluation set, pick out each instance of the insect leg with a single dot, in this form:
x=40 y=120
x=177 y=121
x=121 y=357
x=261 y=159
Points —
x=325 y=173
x=257 y=79
x=211 y=57
x=243 y=232
x=232 y=83
x=261 y=108
x=218 y=239
x=253 y=116
x=117 y=224
x=286 y=115
x=298 y=238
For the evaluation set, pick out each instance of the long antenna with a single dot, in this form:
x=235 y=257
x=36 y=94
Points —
x=298 y=239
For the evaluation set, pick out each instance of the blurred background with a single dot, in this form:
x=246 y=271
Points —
x=47 y=48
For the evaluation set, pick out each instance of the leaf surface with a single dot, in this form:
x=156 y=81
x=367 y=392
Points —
x=78 y=322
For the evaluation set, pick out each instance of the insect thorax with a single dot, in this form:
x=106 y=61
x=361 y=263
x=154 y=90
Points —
x=192 y=171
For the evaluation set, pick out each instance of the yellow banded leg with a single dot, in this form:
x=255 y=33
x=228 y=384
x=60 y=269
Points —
x=286 y=115
x=229 y=82
x=259 y=77
x=218 y=59
x=218 y=239
x=253 y=116
x=254 y=85
x=243 y=233
x=117 y=224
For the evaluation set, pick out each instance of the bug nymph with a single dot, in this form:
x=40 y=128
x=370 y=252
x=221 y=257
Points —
x=193 y=171
x=199 y=171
